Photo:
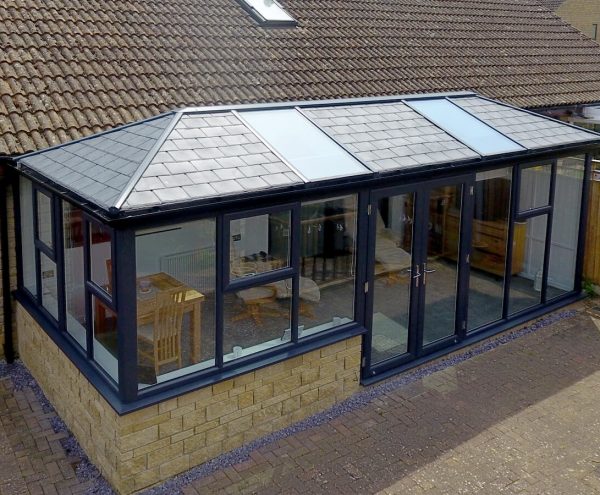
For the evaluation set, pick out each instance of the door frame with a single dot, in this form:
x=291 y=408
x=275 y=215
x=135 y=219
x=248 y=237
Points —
x=421 y=191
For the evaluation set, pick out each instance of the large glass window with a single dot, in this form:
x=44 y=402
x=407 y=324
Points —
x=529 y=244
x=328 y=253
x=256 y=319
x=393 y=265
x=535 y=187
x=74 y=258
x=44 y=218
x=49 y=285
x=489 y=245
x=101 y=257
x=175 y=290
x=565 y=225
x=259 y=244
x=106 y=340
x=27 y=237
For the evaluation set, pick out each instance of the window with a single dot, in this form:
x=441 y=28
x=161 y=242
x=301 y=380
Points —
x=327 y=261
x=290 y=132
x=489 y=243
x=463 y=126
x=101 y=257
x=268 y=12
x=535 y=187
x=74 y=261
x=259 y=244
x=44 y=218
x=594 y=31
x=565 y=225
x=27 y=237
x=175 y=292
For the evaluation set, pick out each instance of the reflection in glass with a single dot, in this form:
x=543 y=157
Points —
x=105 y=337
x=101 y=256
x=565 y=226
x=440 y=272
x=288 y=131
x=488 y=248
x=73 y=234
x=257 y=319
x=259 y=244
x=328 y=237
x=393 y=260
x=462 y=125
x=535 y=187
x=27 y=243
x=49 y=285
x=527 y=263
x=175 y=289
x=44 y=218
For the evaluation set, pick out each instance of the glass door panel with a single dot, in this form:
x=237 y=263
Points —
x=392 y=281
x=440 y=270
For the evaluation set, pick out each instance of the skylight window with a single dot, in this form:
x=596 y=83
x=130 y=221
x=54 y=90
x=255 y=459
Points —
x=268 y=12
x=305 y=147
x=477 y=135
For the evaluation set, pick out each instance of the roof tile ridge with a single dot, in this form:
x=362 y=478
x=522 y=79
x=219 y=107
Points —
x=129 y=187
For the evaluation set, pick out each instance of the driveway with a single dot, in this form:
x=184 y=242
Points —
x=515 y=414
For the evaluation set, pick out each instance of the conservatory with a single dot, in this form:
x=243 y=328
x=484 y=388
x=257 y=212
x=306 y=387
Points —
x=176 y=252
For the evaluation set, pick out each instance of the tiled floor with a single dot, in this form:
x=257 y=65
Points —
x=521 y=417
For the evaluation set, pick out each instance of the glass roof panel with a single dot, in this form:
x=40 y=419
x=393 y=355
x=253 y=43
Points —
x=303 y=145
x=270 y=10
x=478 y=136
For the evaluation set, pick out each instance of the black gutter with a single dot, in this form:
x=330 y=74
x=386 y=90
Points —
x=5 y=183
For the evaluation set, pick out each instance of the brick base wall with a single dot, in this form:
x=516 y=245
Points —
x=140 y=449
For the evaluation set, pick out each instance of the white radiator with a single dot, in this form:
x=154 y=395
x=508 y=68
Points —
x=195 y=268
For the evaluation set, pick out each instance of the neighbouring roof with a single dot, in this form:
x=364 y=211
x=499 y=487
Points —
x=72 y=69
x=211 y=153
x=551 y=4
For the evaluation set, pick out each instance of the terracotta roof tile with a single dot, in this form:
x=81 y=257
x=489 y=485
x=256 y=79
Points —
x=97 y=64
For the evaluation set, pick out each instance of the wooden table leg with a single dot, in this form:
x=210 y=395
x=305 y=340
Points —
x=195 y=330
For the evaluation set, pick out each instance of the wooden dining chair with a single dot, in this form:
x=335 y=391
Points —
x=165 y=334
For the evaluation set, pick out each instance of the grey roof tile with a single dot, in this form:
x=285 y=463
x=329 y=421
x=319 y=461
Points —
x=199 y=191
x=227 y=187
x=171 y=194
x=142 y=198
x=203 y=177
x=229 y=173
x=180 y=167
x=250 y=183
x=175 y=180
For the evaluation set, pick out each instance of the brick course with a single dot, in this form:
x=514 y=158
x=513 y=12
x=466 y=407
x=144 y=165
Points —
x=140 y=449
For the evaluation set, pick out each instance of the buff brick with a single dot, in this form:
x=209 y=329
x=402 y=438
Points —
x=309 y=397
x=222 y=387
x=178 y=437
x=246 y=399
x=132 y=467
x=183 y=410
x=159 y=444
x=263 y=393
x=175 y=466
x=221 y=408
x=139 y=438
x=286 y=385
x=198 y=441
x=170 y=427
x=147 y=478
x=291 y=404
x=239 y=425
x=266 y=414
x=158 y=457
x=193 y=419
x=243 y=380
x=333 y=349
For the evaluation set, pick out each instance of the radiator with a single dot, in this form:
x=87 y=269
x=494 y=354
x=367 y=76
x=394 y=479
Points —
x=195 y=268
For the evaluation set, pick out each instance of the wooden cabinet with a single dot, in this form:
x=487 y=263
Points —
x=488 y=245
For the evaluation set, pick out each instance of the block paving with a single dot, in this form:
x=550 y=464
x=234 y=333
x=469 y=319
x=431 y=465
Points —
x=520 y=418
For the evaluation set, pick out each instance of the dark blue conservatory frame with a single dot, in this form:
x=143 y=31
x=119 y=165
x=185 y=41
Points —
x=125 y=396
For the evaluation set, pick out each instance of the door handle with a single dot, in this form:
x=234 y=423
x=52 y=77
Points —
x=425 y=272
x=417 y=276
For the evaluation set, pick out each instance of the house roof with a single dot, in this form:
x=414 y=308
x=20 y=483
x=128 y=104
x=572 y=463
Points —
x=71 y=69
x=211 y=153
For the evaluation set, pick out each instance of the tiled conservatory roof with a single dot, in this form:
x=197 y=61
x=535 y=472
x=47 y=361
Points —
x=206 y=154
